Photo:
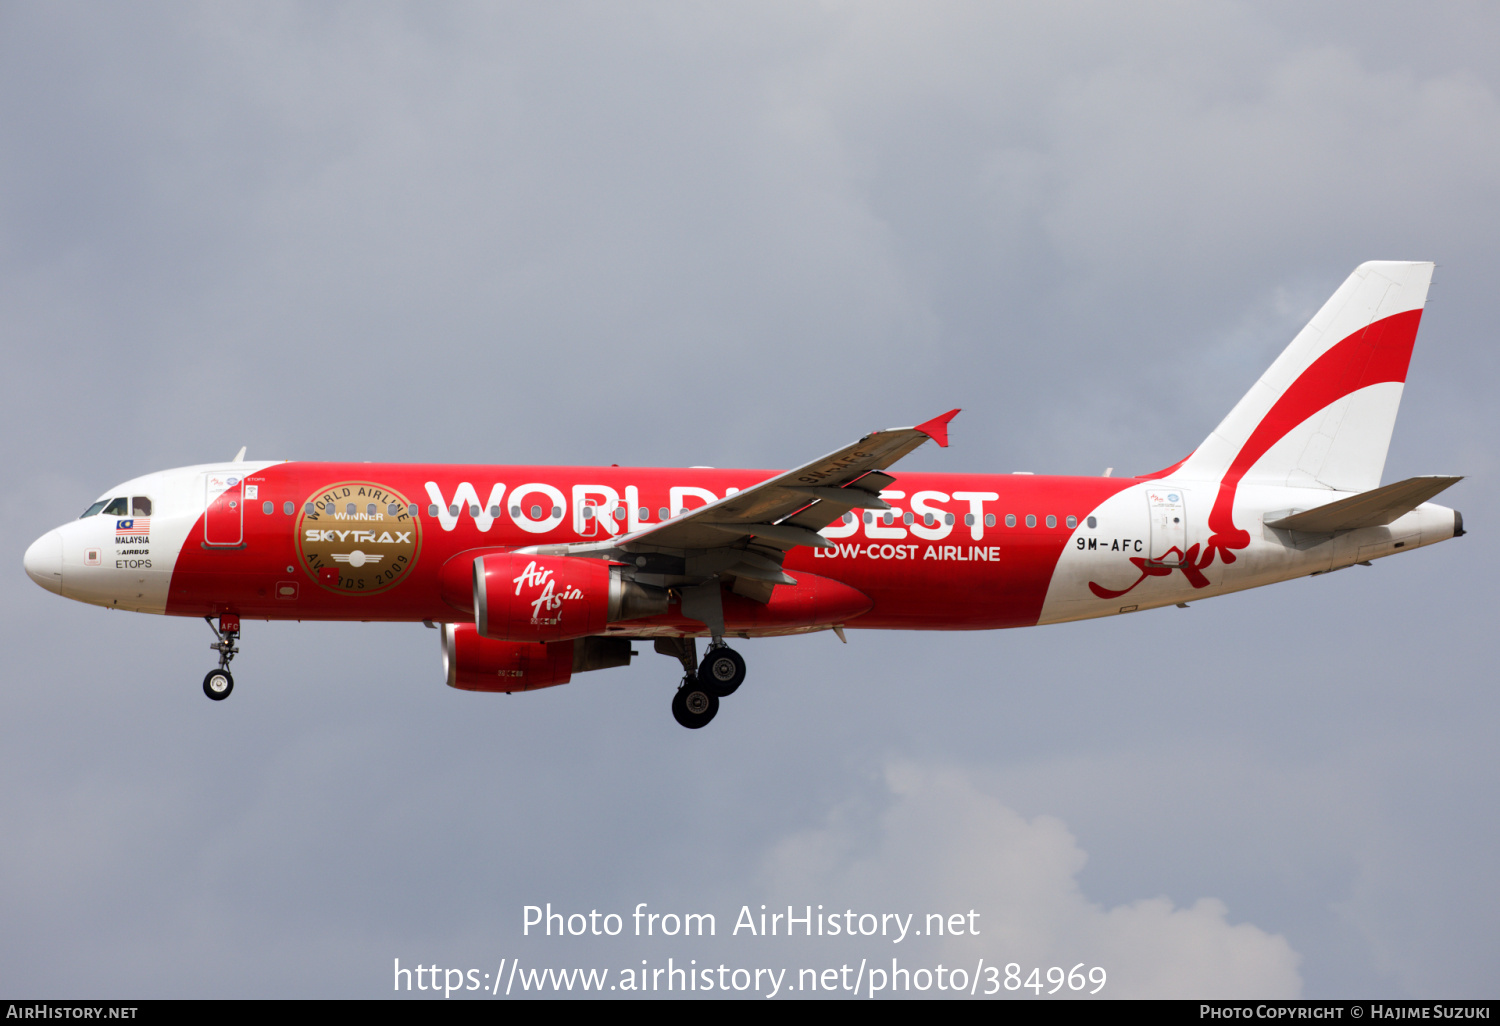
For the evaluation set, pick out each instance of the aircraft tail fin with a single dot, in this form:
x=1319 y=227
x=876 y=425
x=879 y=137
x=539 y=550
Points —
x=1322 y=415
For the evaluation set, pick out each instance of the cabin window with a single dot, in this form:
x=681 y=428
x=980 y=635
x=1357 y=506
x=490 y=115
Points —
x=412 y=510
x=1072 y=521
x=848 y=518
x=948 y=519
x=308 y=508
x=473 y=510
x=268 y=507
x=641 y=514
x=929 y=520
x=619 y=513
x=968 y=520
x=349 y=508
x=664 y=513
x=989 y=520
x=432 y=509
x=393 y=509
x=1010 y=520
x=494 y=511
x=536 y=512
x=1031 y=520
x=370 y=510
x=1092 y=522
x=453 y=510
x=1051 y=520
x=588 y=512
x=288 y=507
x=907 y=517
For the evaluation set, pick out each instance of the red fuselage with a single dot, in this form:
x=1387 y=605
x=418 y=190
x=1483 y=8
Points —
x=964 y=575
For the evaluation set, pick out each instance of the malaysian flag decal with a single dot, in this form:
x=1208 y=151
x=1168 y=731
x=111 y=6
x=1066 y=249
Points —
x=136 y=525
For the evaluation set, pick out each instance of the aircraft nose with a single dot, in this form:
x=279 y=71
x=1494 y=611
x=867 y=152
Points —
x=44 y=561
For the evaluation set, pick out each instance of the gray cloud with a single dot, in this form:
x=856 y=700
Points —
x=949 y=846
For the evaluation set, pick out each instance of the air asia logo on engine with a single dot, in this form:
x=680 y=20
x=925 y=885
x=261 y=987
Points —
x=549 y=600
x=358 y=538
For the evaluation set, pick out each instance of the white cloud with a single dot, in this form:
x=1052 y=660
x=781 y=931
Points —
x=942 y=844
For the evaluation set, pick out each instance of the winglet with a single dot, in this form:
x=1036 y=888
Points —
x=937 y=428
x=239 y=457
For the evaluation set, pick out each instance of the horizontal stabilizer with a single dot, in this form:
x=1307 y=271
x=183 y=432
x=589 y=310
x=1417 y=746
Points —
x=1374 y=508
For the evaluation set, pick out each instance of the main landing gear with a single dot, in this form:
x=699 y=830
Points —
x=694 y=705
x=718 y=676
x=217 y=684
x=722 y=669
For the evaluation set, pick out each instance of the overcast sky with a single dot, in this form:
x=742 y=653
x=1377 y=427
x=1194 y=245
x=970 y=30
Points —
x=743 y=235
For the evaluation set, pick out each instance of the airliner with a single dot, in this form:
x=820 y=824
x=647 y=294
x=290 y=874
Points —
x=533 y=574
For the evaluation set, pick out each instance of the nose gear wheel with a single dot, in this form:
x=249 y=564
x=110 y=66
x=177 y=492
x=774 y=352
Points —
x=219 y=683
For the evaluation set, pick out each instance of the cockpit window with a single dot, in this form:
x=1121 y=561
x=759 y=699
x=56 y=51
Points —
x=96 y=507
x=117 y=507
x=140 y=506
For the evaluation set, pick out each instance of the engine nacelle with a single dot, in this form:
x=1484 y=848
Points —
x=472 y=663
x=553 y=598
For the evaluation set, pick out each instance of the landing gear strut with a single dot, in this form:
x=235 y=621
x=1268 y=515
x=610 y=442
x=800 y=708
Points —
x=217 y=684
x=718 y=676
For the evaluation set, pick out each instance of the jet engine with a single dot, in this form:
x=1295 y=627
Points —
x=529 y=598
x=472 y=663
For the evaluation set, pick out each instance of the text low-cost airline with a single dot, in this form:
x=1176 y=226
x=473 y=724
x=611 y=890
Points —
x=533 y=574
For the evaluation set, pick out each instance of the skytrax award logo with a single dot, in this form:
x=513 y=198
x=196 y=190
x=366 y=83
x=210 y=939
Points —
x=358 y=538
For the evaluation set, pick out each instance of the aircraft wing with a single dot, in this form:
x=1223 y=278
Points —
x=787 y=510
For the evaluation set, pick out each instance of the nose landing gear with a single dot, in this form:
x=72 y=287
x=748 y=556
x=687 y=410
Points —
x=219 y=683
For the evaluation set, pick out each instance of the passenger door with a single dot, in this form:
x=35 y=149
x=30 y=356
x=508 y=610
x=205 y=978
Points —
x=223 y=510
